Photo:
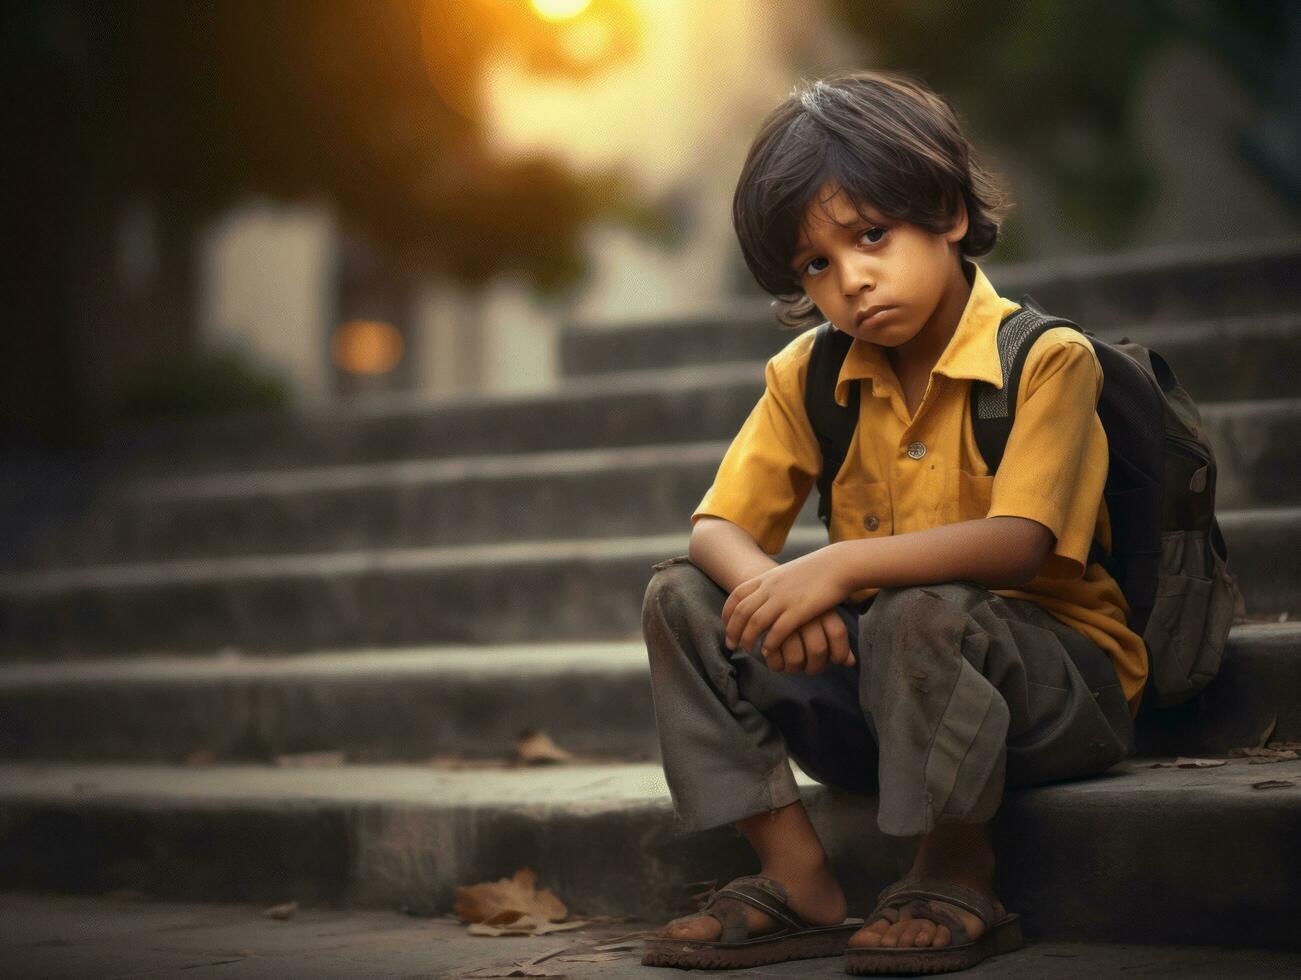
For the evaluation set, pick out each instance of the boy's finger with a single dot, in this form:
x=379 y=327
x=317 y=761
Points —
x=793 y=653
x=816 y=648
x=837 y=639
x=755 y=624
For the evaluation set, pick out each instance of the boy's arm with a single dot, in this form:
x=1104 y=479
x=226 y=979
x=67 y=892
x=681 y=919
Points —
x=726 y=552
x=996 y=552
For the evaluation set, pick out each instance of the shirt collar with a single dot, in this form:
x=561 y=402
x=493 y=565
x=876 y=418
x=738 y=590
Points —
x=972 y=352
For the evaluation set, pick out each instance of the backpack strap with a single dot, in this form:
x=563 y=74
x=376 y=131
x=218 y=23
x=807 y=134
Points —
x=993 y=410
x=832 y=423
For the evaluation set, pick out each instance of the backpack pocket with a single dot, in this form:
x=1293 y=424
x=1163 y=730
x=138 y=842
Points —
x=1191 y=615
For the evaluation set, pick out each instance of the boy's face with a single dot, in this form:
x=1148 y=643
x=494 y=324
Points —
x=874 y=262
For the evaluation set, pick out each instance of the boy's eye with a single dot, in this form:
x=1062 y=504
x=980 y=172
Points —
x=862 y=234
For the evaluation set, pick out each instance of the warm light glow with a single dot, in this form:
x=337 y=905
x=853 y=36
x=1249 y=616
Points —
x=366 y=347
x=587 y=40
x=555 y=10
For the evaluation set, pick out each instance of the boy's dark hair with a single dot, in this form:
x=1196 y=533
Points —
x=889 y=141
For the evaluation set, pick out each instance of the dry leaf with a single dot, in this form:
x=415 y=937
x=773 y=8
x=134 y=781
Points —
x=590 y=958
x=1284 y=745
x=536 y=748
x=1186 y=763
x=312 y=760
x=508 y=899
x=1274 y=756
x=525 y=925
x=282 y=911
x=1272 y=784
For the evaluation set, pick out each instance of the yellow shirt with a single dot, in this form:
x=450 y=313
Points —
x=1053 y=469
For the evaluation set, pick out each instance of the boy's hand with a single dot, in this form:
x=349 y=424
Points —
x=821 y=640
x=782 y=599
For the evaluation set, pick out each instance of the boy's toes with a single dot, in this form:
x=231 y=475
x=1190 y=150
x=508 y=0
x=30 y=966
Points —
x=700 y=927
x=917 y=932
x=870 y=934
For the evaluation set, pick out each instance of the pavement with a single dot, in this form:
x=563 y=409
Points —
x=118 y=936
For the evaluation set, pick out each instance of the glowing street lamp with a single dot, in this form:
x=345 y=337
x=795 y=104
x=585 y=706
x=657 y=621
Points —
x=558 y=10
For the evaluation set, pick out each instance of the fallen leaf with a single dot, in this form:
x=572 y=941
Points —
x=536 y=748
x=1269 y=730
x=312 y=760
x=282 y=911
x=525 y=925
x=1272 y=784
x=1187 y=763
x=1260 y=760
x=590 y=958
x=1284 y=745
x=508 y=899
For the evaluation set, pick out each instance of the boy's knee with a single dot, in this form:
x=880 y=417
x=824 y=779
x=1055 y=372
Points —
x=677 y=590
x=920 y=621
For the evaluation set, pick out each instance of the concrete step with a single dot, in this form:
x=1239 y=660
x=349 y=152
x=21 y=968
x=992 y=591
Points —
x=74 y=937
x=1105 y=294
x=593 y=699
x=1254 y=352
x=405 y=705
x=645 y=404
x=588 y=493
x=503 y=593
x=1102 y=859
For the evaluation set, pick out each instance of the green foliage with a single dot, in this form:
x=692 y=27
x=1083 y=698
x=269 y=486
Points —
x=374 y=105
x=1055 y=81
x=203 y=383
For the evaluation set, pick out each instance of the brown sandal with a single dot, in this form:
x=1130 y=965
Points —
x=912 y=894
x=793 y=939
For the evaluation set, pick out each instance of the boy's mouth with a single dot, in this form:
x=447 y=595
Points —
x=871 y=315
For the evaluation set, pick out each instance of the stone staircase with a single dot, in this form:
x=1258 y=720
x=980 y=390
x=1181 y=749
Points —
x=414 y=579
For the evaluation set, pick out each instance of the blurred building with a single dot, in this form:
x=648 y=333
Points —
x=680 y=115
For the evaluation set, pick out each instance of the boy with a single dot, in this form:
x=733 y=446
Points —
x=952 y=638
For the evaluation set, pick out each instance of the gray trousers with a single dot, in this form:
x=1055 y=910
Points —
x=956 y=693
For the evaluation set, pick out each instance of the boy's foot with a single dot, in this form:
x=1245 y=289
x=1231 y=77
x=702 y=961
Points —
x=816 y=898
x=915 y=931
x=912 y=931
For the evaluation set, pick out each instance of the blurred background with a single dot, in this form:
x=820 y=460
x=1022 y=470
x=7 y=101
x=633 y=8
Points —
x=362 y=358
x=252 y=205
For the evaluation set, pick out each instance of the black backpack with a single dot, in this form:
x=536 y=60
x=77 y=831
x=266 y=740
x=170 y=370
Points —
x=1168 y=554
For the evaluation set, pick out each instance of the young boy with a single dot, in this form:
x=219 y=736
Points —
x=952 y=638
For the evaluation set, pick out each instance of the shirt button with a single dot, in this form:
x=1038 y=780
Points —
x=871 y=523
x=916 y=450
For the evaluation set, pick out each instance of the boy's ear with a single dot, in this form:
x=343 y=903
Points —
x=955 y=233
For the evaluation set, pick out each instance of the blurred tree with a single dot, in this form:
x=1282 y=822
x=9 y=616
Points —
x=371 y=105
x=1056 y=80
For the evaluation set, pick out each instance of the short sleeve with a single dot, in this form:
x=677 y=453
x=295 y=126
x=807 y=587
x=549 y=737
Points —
x=1054 y=467
x=774 y=459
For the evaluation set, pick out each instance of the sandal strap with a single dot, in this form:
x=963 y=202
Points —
x=914 y=892
x=763 y=893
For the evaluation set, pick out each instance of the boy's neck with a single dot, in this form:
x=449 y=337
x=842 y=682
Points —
x=920 y=354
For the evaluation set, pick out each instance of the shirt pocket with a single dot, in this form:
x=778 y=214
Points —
x=861 y=510
x=966 y=497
